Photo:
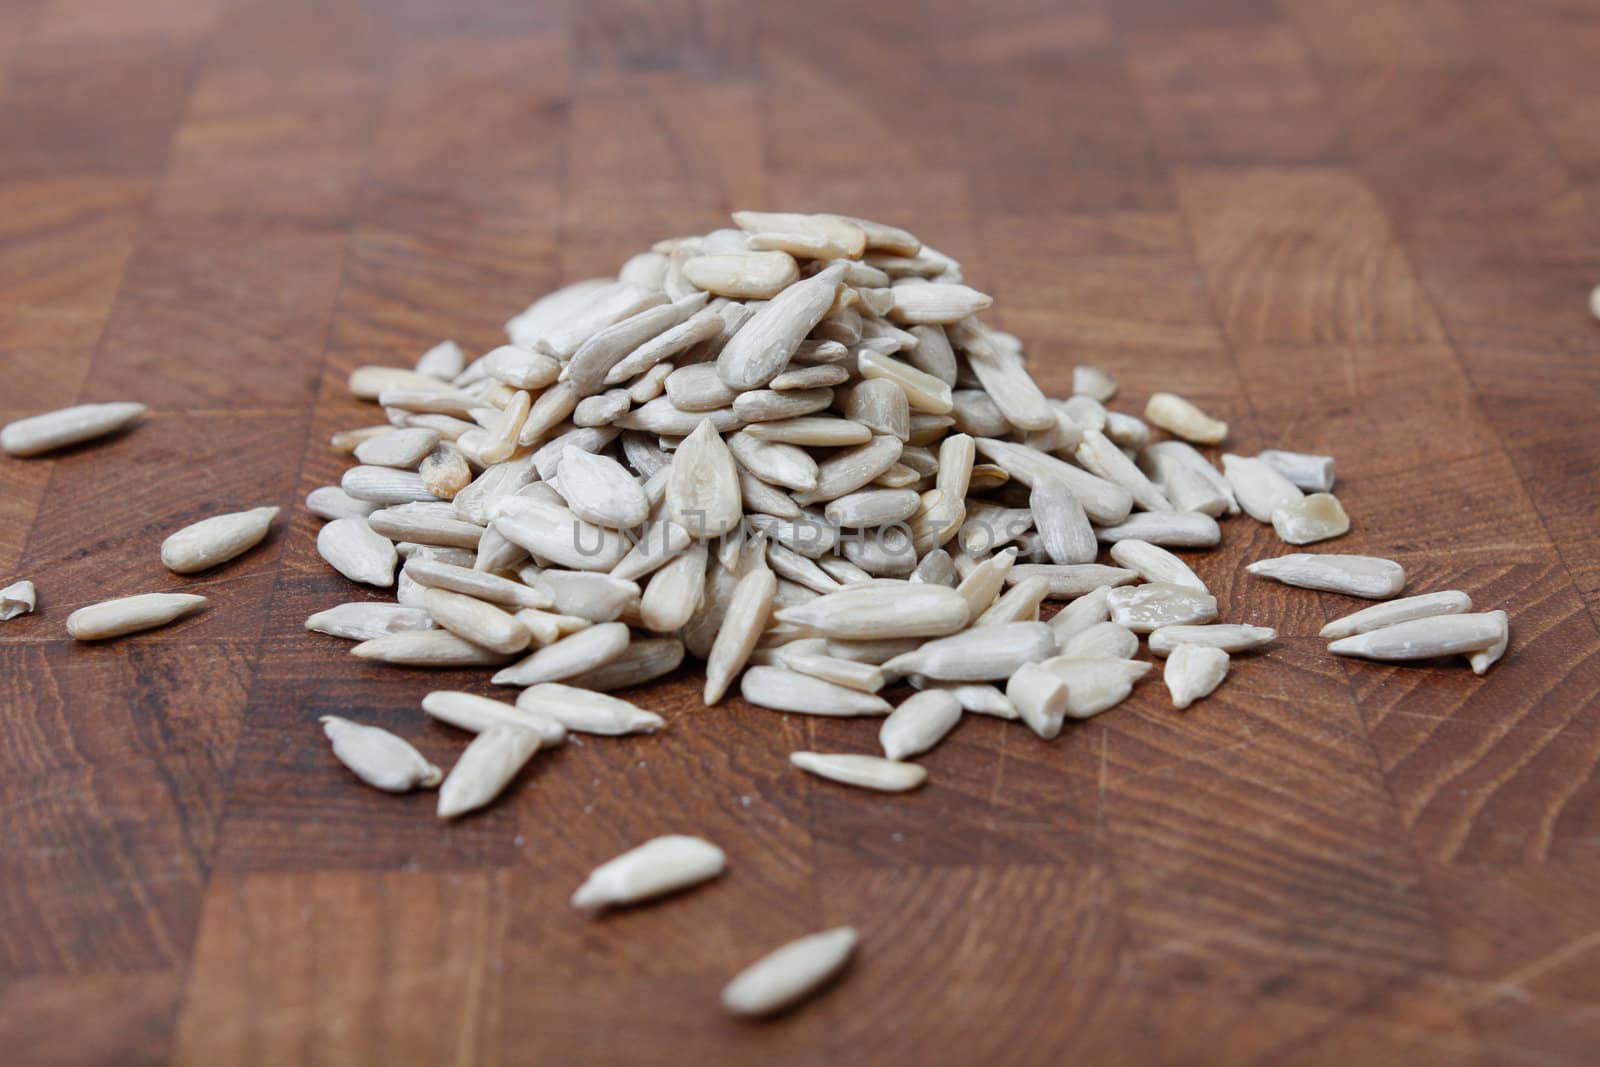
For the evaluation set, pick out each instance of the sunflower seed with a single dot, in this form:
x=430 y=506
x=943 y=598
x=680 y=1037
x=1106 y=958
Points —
x=879 y=405
x=130 y=614
x=790 y=974
x=398 y=448
x=485 y=768
x=356 y=551
x=743 y=275
x=1101 y=457
x=1096 y=685
x=1181 y=529
x=365 y=620
x=1071 y=580
x=378 y=757
x=608 y=323
x=980 y=587
x=433 y=524
x=587 y=712
x=1182 y=418
x=531 y=324
x=1436 y=635
x=866 y=772
x=1062 y=524
x=475 y=714
x=444 y=360
x=457 y=579
x=903 y=610
x=521 y=368
x=862 y=677
x=444 y=471
x=673 y=592
x=786 y=690
x=703 y=490
x=433 y=399
x=898 y=476
x=600 y=490
x=919 y=723
x=1260 y=489
x=873 y=507
x=1364 y=576
x=479 y=502
x=808 y=236
x=1155 y=564
x=644 y=660
x=596 y=597
x=477 y=621
x=17 y=599
x=923 y=391
x=761 y=349
x=369 y=382
x=1091 y=381
x=216 y=540
x=664 y=865
x=1307 y=471
x=69 y=426
x=658 y=544
x=697 y=388
x=1193 y=672
x=384 y=485
x=1230 y=637
x=574 y=654
x=601 y=409
x=331 y=502
x=979 y=654
x=1082 y=613
x=1003 y=377
x=347 y=440
x=851 y=469
x=742 y=624
x=554 y=533
x=1482 y=660
x=936 y=304
x=1449 y=602
x=976 y=697
x=1188 y=479
x=936 y=568
x=777 y=464
x=976 y=414
x=1103 y=640
x=1143 y=608
x=1317 y=517
x=1104 y=502
x=1040 y=698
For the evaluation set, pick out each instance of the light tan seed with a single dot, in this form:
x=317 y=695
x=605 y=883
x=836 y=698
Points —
x=384 y=485
x=1040 y=699
x=600 y=490
x=358 y=552
x=378 y=757
x=366 y=620
x=742 y=625
x=1096 y=685
x=673 y=592
x=427 y=648
x=881 y=406
x=873 y=507
x=821 y=376
x=554 y=533
x=1105 y=502
x=444 y=360
x=1071 y=580
x=786 y=690
x=485 y=768
x=574 y=654
x=1306 y=471
x=585 y=594
x=1020 y=603
x=433 y=399
x=444 y=471
x=649 y=385
x=809 y=236
x=790 y=974
x=1318 y=517
x=983 y=584
x=919 y=723
x=923 y=391
x=1449 y=602
x=776 y=464
x=760 y=351
x=851 y=469
x=644 y=660
x=1364 y=576
x=1182 y=418
x=458 y=579
x=866 y=772
x=1091 y=381
x=521 y=368
x=216 y=540
x=743 y=275
x=703 y=490
x=611 y=308
x=1144 y=608
x=347 y=440
x=480 y=501
x=130 y=614
x=1101 y=457
x=1483 y=659
x=1103 y=640
x=936 y=303
x=369 y=382
x=1062 y=523
x=431 y=523
x=664 y=865
x=1181 y=529
x=588 y=712
x=69 y=426
x=818 y=431
x=1193 y=672
x=1259 y=489
x=702 y=326
x=403 y=448
x=1230 y=637
x=1187 y=478
x=883 y=610
x=331 y=502
x=601 y=409
x=768 y=405
x=1436 y=635
x=477 y=621
x=17 y=599
x=1155 y=564
x=697 y=388
x=1002 y=374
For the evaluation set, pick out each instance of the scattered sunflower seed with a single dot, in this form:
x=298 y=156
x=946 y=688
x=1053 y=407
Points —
x=69 y=426
x=1193 y=672
x=1230 y=637
x=790 y=974
x=16 y=599
x=1365 y=576
x=664 y=865
x=1435 y=635
x=1449 y=602
x=130 y=614
x=378 y=757
x=485 y=768
x=867 y=772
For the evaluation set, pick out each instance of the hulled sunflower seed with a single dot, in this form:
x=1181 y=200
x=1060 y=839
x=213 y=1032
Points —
x=648 y=359
x=814 y=431
x=851 y=469
x=1071 y=580
x=439 y=575
x=664 y=865
x=402 y=448
x=582 y=651
x=130 y=614
x=331 y=502
x=384 y=485
x=1093 y=382
x=1144 y=608
x=553 y=532
x=820 y=376
x=784 y=690
x=936 y=568
x=69 y=426
x=984 y=582
x=602 y=409
x=1180 y=529
x=674 y=591
x=762 y=347
x=585 y=594
x=600 y=490
x=1194 y=672
x=17 y=599
x=366 y=620
x=427 y=648
x=355 y=550
x=923 y=391
x=879 y=612
x=477 y=621
x=1259 y=489
x=790 y=974
x=976 y=697
x=769 y=405
x=742 y=625
x=703 y=490
x=521 y=368
x=1082 y=613
x=697 y=388
x=378 y=757
x=881 y=406
x=1103 y=640
x=979 y=654
x=1155 y=564
x=1003 y=376
x=921 y=721
x=1105 y=502
x=444 y=360
x=216 y=540
x=1096 y=685
x=1318 y=517
x=862 y=677
x=1436 y=635
x=1040 y=698
x=1181 y=418
x=369 y=382
x=743 y=275
x=808 y=236
x=485 y=768
x=936 y=304
x=1307 y=471
x=347 y=440
x=866 y=772
x=1062 y=524
x=1449 y=602
x=588 y=712
x=621 y=304
x=871 y=508
x=1364 y=576
x=1230 y=637
x=1099 y=456
x=1483 y=659
x=659 y=544
x=644 y=660
x=777 y=464
x=444 y=471
x=1188 y=478
x=1020 y=603
x=424 y=523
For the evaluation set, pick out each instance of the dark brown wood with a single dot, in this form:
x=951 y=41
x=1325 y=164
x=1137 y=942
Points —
x=1363 y=229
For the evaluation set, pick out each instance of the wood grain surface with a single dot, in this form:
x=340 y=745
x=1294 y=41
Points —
x=1363 y=229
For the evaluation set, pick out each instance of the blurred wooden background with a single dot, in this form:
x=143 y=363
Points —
x=1364 y=229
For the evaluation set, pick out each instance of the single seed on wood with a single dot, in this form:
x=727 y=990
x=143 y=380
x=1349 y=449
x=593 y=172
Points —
x=485 y=768
x=1230 y=637
x=1096 y=685
x=1260 y=489
x=788 y=975
x=742 y=625
x=786 y=690
x=1194 y=672
x=1317 y=517
x=878 y=612
x=588 y=712
x=866 y=772
x=574 y=654
x=365 y=620
x=1155 y=564
x=1449 y=602
x=1307 y=471
x=1103 y=640
x=1436 y=635
x=216 y=540
x=980 y=654
x=1144 y=608
x=1040 y=698
x=17 y=599
x=1180 y=529
x=378 y=757
x=358 y=552
x=1182 y=418
x=1071 y=580
x=1365 y=576
x=427 y=648
x=664 y=865
x=69 y=426
x=130 y=614
x=426 y=523
x=920 y=722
